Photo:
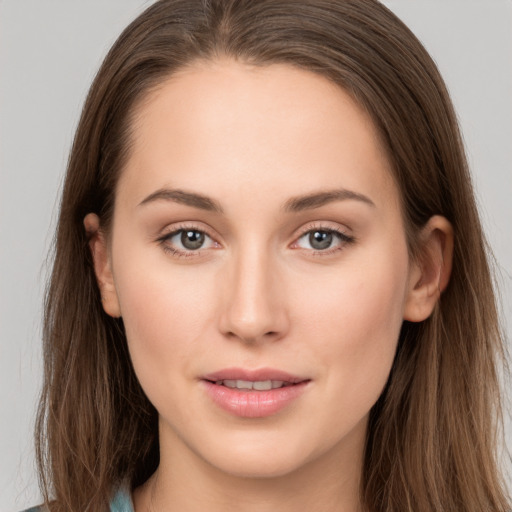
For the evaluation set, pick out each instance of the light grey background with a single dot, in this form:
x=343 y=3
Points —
x=49 y=52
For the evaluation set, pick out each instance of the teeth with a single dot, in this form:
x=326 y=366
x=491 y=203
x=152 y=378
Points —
x=259 y=385
x=263 y=385
x=244 y=384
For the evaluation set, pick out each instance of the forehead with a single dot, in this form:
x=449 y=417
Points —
x=219 y=125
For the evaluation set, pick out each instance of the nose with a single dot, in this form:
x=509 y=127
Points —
x=253 y=309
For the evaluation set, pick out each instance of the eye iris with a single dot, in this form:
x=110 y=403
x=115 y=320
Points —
x=192 y=239
x=320 y=239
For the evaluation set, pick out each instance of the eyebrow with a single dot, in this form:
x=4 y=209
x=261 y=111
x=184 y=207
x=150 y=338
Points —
x=295 y=204
x=318 y=199
x=183 y=197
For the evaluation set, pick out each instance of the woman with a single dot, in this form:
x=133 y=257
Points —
x=270 y=289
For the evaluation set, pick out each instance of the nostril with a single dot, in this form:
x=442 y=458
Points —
x=249 y=339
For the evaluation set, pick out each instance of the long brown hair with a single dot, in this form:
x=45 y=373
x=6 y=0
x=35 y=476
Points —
x=432 y=436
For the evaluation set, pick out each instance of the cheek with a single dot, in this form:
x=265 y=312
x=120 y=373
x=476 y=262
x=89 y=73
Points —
x=355 y=318
x=165 y=312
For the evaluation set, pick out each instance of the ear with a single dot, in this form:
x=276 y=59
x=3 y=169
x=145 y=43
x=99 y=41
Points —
x=430 y=273
x=102 y=265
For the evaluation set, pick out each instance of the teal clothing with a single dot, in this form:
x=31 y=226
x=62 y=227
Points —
x=122 y=502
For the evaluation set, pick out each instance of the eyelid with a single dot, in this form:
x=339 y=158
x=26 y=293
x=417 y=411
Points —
x=183 y=226
x=323 y=226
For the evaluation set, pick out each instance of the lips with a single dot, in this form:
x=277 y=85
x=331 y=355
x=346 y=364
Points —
x=253 y=393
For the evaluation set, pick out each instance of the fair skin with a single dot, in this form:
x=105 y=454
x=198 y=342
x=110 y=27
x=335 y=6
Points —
x=265 y=286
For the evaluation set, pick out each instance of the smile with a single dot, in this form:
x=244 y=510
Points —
x=247 y=385
x=253 y=393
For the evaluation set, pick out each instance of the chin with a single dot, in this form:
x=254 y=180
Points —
x=259 y=458
x=259 y=467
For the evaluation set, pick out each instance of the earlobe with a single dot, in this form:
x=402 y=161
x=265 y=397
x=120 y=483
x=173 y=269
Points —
x=102 y=265
x=430 y=273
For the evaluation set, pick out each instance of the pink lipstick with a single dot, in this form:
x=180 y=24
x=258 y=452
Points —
x=253 y=393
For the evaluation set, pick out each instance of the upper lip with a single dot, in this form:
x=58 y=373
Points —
x=260 y=374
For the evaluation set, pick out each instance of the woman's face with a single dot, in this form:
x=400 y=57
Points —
x=257 y=241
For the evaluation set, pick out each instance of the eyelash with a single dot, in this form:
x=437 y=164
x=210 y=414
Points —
x=344 y=239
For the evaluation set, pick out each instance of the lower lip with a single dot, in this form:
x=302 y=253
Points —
x=253 y=404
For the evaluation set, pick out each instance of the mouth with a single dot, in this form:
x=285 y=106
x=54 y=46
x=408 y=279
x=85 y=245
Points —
x=263 y=379
x=248 y=385
x=253 y=393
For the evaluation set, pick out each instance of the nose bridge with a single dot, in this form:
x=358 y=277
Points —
x=254 y=308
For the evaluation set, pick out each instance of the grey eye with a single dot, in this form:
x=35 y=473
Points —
x=320 y=240
x=192 y=239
